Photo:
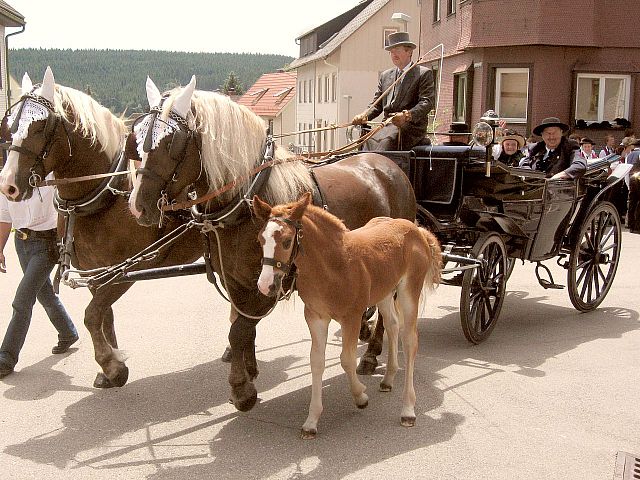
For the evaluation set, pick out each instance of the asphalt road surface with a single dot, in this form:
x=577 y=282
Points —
x=552 y=394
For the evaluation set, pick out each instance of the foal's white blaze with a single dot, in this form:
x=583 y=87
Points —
x=266 y=274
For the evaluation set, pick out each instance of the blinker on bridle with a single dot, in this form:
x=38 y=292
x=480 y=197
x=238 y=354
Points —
x=285 y=267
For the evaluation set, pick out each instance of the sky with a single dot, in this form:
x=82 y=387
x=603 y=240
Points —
x=250 y=26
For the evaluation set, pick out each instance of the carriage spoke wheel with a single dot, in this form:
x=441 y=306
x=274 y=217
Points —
x=594 y=258
x=483 y=288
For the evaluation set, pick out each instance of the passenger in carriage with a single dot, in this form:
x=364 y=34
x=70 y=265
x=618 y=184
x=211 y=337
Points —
x=609 y=147
x=407 y=105
x=458 y=135
x=556 y=155
x=511 y=148
x=586 y=150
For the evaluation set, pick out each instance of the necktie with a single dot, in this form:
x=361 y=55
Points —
x=392 y=94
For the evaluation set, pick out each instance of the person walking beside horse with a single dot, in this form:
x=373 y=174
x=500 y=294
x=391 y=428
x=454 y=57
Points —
x=407 y=105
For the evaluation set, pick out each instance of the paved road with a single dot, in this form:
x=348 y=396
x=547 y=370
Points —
x=552 y=394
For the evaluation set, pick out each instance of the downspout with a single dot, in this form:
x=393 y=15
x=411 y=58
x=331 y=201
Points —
x=6 y=61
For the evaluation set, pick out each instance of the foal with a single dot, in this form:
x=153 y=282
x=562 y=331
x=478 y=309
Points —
x=340 y=273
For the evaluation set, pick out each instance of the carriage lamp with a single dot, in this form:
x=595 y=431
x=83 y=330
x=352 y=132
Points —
x=485 y=133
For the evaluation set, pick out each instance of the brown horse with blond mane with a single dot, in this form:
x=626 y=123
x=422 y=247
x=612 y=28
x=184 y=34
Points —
x=340 y=272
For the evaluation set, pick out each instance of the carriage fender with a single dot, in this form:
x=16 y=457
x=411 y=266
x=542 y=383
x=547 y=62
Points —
x=503 y=223
x=617 y=176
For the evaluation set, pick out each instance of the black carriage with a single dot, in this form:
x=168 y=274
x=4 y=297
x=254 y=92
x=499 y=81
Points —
x=487 y=216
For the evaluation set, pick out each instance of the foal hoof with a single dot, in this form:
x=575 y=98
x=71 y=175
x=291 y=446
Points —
x=385 y=387
x=408 y=421
x=226 y=356
x=308 y=434
x=102 y=381
x=367 y=366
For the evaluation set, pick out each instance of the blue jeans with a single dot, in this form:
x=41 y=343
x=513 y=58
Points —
x=37 y=262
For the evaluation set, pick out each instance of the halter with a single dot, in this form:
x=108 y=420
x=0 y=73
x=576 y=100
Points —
x=51 y=124
x=294 y=250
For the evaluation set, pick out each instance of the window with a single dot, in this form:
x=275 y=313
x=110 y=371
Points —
x=436 y=11
x=385 y=35
x=300 y=98
x=602 y=97
x=319 y=84
x=310 y=98
x=326 y=88
x=459 y=97
x=334 y=87
x=512 y=94
x=451 y=7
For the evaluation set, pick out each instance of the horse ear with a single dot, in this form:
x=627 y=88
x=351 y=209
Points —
x=48 y=85
x=131 y=148
x=153 y=94
x=261 y=209
x=300 y=206
x=27 y=84
x=182 y=103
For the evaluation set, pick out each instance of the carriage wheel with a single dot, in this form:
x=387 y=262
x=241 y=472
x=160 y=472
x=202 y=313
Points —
x=483 y=289
x=594 y=258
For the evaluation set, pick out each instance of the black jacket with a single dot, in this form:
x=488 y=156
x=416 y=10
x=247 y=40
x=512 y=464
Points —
x=563 y=158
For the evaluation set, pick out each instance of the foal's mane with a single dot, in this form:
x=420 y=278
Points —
x=233 y=139
x=90 y=119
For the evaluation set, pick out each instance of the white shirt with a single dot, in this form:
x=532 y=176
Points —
x=33 y=213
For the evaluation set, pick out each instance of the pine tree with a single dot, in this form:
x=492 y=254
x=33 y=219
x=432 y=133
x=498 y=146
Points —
x=232 y=85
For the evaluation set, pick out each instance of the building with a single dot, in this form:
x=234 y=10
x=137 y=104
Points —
x=528 y=60
x=272 y=97
x=9 y=17
x=339 y=65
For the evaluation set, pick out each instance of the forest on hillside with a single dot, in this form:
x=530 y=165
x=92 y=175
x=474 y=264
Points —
x=116 y=78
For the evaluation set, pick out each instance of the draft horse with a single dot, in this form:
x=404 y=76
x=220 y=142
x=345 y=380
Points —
x=339 y=273
x=61 y=130
x=206 y=145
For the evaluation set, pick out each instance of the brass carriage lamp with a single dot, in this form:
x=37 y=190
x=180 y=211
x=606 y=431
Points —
x=484 y=133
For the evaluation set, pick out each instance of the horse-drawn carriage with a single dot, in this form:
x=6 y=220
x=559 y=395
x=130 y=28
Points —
x=488 y=215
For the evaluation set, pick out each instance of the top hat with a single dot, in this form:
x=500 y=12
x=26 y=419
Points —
x=458 y=128
x=586 y=140
x=550 y=122
x=399 y=39
x=509 y=134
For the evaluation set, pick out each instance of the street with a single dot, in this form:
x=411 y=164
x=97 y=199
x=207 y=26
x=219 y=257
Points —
x=552 y=394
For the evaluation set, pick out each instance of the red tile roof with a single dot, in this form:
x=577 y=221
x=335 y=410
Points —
x=270 y=94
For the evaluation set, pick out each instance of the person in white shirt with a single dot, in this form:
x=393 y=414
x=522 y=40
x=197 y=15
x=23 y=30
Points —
x=586 y=150
x=609 y=147
x=35 y=222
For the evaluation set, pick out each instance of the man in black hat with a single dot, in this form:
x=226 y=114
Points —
x=458 y=135
x=407 y=105
x=555 y=154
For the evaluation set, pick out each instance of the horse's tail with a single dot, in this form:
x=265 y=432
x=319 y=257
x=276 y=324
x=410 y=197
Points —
x=434 y=267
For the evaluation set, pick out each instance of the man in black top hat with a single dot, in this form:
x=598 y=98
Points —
x=458 y=135
x=555 y=154
x=407 y=105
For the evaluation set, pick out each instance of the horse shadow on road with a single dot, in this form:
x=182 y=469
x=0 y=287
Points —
x=265 y=442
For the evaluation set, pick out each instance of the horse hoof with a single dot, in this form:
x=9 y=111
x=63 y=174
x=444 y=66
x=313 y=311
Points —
x=226 y=356
x=385 y=387
x=363 y=406
x=102 y=381
x=367 y=367
x=308 y=434
x=408 y=421
x=121 y=378
x=247 y=400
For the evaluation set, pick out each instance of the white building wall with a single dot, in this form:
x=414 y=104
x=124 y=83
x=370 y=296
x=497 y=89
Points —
x=3 y=71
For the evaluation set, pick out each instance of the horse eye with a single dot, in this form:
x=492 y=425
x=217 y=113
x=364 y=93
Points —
x=286 y=243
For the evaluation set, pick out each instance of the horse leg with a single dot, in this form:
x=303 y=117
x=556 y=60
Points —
x=242 y=336
x=318 y=327
x=388 y=309
x=98 y=319
x=408 y=300
x=369 y=361
x=348 y=360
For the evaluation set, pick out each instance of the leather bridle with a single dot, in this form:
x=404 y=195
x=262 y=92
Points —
x=293 y=251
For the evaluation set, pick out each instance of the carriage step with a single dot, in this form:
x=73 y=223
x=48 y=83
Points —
x=627 y=466
x=543 y=281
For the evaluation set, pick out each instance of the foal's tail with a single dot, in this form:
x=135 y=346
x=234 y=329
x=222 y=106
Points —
x=434 y=259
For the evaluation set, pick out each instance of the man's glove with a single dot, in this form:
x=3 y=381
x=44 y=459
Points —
x=400 y=118
x=360 y=119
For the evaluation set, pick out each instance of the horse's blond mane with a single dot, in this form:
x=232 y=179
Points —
x=233 y=139
x=91 y=119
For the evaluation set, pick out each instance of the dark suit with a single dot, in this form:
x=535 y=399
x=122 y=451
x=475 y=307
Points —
x=414 y=93
x=563 y=158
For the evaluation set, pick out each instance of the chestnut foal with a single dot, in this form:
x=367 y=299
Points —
x=341 y=272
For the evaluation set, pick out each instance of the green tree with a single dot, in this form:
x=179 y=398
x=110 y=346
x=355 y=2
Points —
x=232 y=85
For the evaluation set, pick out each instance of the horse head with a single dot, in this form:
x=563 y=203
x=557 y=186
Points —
x=166 y=143
x=280 y=240
x=32 y=126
